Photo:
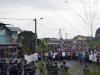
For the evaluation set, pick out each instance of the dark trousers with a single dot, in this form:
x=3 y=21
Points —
x=97 y=62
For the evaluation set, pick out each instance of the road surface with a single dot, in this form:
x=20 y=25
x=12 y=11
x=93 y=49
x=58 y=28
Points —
x=75 y=68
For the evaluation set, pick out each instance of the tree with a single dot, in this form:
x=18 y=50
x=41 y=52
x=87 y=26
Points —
x=42 y=45
x=27 y=39
x=88 y=13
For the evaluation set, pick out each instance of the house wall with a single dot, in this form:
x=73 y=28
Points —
x=3 y=36
x=14 y=35
x=6 y=37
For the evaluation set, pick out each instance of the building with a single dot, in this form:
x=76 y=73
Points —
x=81 y=42
x=8 y=40
x=8 y=34
x=53 y=43
x=59 y=44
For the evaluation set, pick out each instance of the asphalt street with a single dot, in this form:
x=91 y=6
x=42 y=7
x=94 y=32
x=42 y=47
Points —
x=75 y=68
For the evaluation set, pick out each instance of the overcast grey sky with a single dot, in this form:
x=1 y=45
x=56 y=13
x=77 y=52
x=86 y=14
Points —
x=72 y=16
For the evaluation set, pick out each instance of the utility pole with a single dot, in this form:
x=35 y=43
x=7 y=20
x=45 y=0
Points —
x=66 y=35
x=35 y=34
x=61 y=39
x=92 y=40
x=60 y=33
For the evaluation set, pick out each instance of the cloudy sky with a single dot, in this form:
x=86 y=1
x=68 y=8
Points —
x=74 y=17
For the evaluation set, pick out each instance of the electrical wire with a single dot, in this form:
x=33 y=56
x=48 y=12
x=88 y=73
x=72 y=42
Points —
x=95 y=10
x=15 y=19
x=27 y=25
x=87 y=21
x=30 y=23
x=65 y=20
x=47 y=27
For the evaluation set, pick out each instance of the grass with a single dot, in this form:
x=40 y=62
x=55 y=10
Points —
x=94 y=70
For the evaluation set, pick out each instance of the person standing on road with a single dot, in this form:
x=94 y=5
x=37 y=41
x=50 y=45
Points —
x=19 y=68
x=54 y=68
x=90 y=58
x=63 y=55
x=98 y=58
x=80 y=57
x=48 y=66
x=42 y=68
x=86 y=57
x=65 y=68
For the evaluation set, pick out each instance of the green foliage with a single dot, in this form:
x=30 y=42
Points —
x=27 y=39
x=96 y=42
x=42 y=46
x=25 y=46
x=93 y=73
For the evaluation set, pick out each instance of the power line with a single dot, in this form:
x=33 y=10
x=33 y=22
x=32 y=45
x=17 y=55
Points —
x=15 y=19
x=87 y=18
x=95 y=10
x=80 y=16
x=47 y=27
x=65 y=20
x=20 y=20
x=30 y=23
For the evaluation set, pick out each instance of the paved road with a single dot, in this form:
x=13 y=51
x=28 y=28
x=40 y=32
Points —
x=74 y=68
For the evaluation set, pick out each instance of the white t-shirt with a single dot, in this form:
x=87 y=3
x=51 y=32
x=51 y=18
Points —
x=94 y=57
x=54 y=55
x=63 y=54
x=90 y=57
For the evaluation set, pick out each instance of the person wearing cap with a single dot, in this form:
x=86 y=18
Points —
x=65 y=68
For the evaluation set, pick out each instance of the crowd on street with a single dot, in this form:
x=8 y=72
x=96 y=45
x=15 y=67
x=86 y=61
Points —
x=48 y=62
x=82 y=56
x=17 y=68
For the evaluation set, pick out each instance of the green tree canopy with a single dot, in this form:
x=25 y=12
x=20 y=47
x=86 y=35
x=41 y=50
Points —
x=27 y=38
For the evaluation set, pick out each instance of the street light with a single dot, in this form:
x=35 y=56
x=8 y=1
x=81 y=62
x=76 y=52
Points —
x=36 y=33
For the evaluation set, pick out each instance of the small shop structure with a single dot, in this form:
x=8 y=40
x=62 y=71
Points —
x=8 y=41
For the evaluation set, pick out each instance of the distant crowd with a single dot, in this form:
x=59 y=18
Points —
x=48 y=61
x=82 y=56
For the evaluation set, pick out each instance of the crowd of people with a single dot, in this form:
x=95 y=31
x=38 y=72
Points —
x=53 y=68
x=86 y=56
x=17 y=68
x=49 y=62
x=56 y=57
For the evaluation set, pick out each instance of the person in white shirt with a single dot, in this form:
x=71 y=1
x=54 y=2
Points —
x=63 y=55
x=94 y=57
x=54 y=56
x=90 y=58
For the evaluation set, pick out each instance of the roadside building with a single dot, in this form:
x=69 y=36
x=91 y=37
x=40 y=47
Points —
x=53 y=43
x=8 y=41
x=81 y=42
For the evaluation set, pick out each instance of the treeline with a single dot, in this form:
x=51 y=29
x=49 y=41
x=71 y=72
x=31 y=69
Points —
x=27 y=40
